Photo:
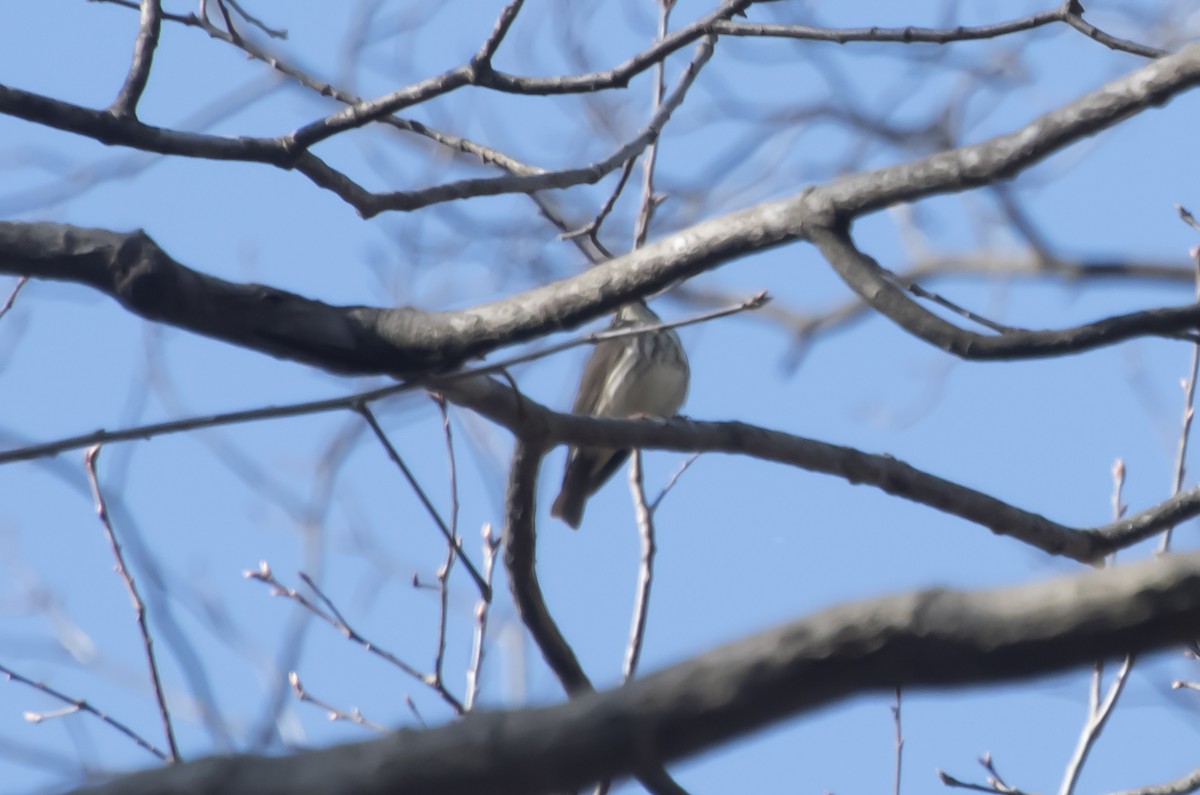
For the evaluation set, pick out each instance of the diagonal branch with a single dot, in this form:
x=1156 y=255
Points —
x=519 y=559
x=927 y=639
x=879 y=288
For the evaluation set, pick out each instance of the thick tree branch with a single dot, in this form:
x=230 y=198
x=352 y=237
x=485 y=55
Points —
x=355 y=340
x=881 y=290
x=935 y=638
x=408 y=342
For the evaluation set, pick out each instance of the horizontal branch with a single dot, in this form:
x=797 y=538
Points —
x=499 y=403
x=927 y=639
x=899 y=35
x=107 y=128
x=530 y=420
x=1068 y=13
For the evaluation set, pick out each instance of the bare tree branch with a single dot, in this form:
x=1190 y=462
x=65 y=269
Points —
x=875 y=286
x=125 y=105
x=926 y=639
x=139 y=606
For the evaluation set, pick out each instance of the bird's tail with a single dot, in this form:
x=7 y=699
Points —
x=568 y=506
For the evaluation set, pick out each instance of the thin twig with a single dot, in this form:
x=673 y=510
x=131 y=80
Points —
x=994 y=777
x=995 y=783
x=443 y=575
x=234 y=36
x=275 y=33
x=1074 y=18
x=1189 y=409
x=921 y=292
x=412 y=707
x=1118 y=504
x=339 y=620
x=901 y=35
x=755 y=301
x=456 y=543
x=1187 y=217
x=641 y=601
x=443 y=580
x=335 y=619
x=1098 y=717
x=951 y=781
x=650 y=200
x=491 y=543
x=1099 y=710
x=334 y=713
x=139 y=607
x=12 y=296
x=592 y=228
x=671 y=481
x=80 y=705
x=194 y=423
x=899 y=739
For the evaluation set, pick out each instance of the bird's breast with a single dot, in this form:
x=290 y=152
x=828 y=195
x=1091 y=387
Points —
x=654 y=391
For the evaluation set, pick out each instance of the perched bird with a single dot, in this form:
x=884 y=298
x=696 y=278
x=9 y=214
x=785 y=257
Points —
x=643 y=375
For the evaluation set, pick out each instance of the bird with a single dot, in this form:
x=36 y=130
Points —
x=640 y=375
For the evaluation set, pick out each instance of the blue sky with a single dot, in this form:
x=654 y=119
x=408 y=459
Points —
x=743 y=545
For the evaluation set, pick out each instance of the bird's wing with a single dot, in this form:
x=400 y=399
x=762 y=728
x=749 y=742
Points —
x=600 y=365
